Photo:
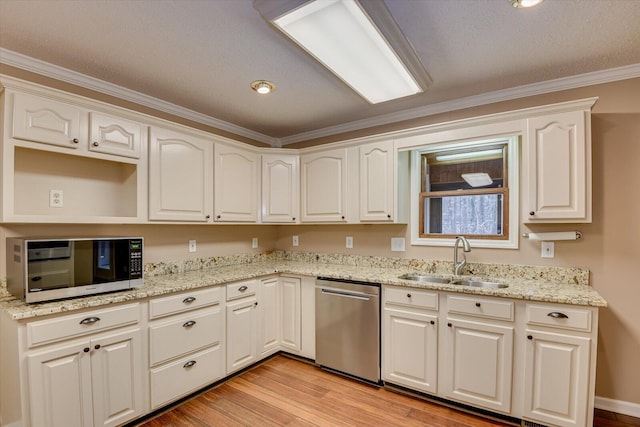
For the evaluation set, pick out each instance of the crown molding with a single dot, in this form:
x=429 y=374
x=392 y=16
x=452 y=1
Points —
x=46 y=69
x=549 y=86
x=27 y=63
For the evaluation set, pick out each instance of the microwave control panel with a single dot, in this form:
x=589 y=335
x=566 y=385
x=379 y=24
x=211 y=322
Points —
x=135 y=259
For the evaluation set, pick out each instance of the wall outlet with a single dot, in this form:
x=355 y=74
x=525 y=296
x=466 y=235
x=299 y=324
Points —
x=295 y=241
x=254 y=242
x=548 y=249
x=192 y=245
x=397 y=244
x=349 y=242
x=56 y=198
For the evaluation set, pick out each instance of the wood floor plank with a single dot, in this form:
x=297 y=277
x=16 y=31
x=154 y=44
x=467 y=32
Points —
x=287 y=392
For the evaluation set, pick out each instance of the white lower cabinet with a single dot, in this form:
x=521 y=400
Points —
x=242 y=325
x=279 y=314
x=559 y=367
x=410 y=339
x=92 y=382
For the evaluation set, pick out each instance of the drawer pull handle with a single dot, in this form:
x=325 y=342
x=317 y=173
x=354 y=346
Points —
x=188 y=324
x=529 y=337
x=408 y=295
x=189 y=364
x=242 y=288
x=478 y=304
x=188 y=300
x=89 y=320
x=557 y=315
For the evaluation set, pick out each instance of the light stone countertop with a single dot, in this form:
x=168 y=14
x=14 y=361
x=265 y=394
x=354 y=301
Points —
x=524 y=288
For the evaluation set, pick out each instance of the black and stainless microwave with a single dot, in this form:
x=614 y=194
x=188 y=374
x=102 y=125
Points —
x=49 y=269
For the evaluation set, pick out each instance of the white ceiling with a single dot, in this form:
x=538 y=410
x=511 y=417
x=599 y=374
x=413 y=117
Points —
x=201 y=55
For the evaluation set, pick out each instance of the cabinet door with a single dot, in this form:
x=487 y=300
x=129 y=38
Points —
x=559 y=169
x=60 y=392
x=269 y=312
x=377 y=182
x=116 y=372
x=44 y=120
x=114 y=135
x=410 y=348
x=290 y=336
x=280 y=188
x=556 y=378
x=324 y=185
x=236 y=184
x=241 y=334
x=180 y=177
x=480 y=368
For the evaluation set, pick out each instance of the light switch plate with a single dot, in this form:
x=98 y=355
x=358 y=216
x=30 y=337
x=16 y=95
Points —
x=397 y=244
x=295 y=241
x=192 y=245
x=254 y=242
x=349 y=242
x=548 y=249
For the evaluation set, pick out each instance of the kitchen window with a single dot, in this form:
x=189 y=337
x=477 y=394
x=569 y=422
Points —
x=466 y=188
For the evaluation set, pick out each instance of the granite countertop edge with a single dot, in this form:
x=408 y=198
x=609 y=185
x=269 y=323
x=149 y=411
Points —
x=523 y=289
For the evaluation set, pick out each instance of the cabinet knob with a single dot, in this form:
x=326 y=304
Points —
x=389 y=216
x=477 y=304
x=95 y=143
x=408 y=295
x=529 y=337
x=189 y=364
x=97 y=347
x=86 y=349
x=255 y=304
x=433 y=322
x=207 y=216
x=75 y=140
x=294 y=218
x=188 y=300
x=89 y=320
x=532 y=213
x=449 y=325
x=342 y=217
x=188 y=324
x=218 y=217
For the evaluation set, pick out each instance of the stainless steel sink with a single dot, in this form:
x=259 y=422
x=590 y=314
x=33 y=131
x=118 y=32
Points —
x=461 y=282
x=479 y=284
x=423 y=278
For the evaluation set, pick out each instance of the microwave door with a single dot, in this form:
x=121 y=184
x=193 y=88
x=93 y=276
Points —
x=104 y=261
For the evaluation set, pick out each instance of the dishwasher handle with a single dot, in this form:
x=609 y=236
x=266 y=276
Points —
x=345 y=294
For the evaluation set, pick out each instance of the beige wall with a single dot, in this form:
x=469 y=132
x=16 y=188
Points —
x=609 y=247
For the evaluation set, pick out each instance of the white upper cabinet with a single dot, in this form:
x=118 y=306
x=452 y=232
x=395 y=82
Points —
x=113 y=135
x=236 y=184
x=280 y=188
x=323 y=186
x=377 y=182
x=180 y=176
x=45 y=120
x=559 y=162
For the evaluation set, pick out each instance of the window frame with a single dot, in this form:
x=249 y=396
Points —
x=511 y=202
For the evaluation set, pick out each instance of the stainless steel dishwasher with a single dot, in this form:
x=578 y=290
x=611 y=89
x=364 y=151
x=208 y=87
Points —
x=348 y=327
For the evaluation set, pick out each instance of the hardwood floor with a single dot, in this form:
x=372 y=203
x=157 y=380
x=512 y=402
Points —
x=286 y=392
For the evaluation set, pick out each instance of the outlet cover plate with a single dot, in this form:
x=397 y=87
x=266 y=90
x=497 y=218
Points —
x=254 y=242
x=548 y=249
x=192 y=246
x=349 y=242
x=295 y=241
x=397 y=244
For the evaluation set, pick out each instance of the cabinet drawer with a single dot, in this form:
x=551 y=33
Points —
x=192 y=331
x=481 y=307
x=411 y=297
x=559 y=317
x=47 y=331
x=241 y=289
x=173 y=304
x=176 y=379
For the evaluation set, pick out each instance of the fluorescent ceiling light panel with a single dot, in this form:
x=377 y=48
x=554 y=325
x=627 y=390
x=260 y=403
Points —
x=340 y=35
x=479 y=179
x=468 y=155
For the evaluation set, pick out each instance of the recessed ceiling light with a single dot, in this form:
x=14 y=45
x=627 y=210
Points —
x=263 y=87
x=520 y=4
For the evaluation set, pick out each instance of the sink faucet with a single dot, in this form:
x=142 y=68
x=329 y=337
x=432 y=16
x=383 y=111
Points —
x=466 y=247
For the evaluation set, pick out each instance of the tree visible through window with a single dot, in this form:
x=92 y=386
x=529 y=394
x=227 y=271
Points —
x=465 y=192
